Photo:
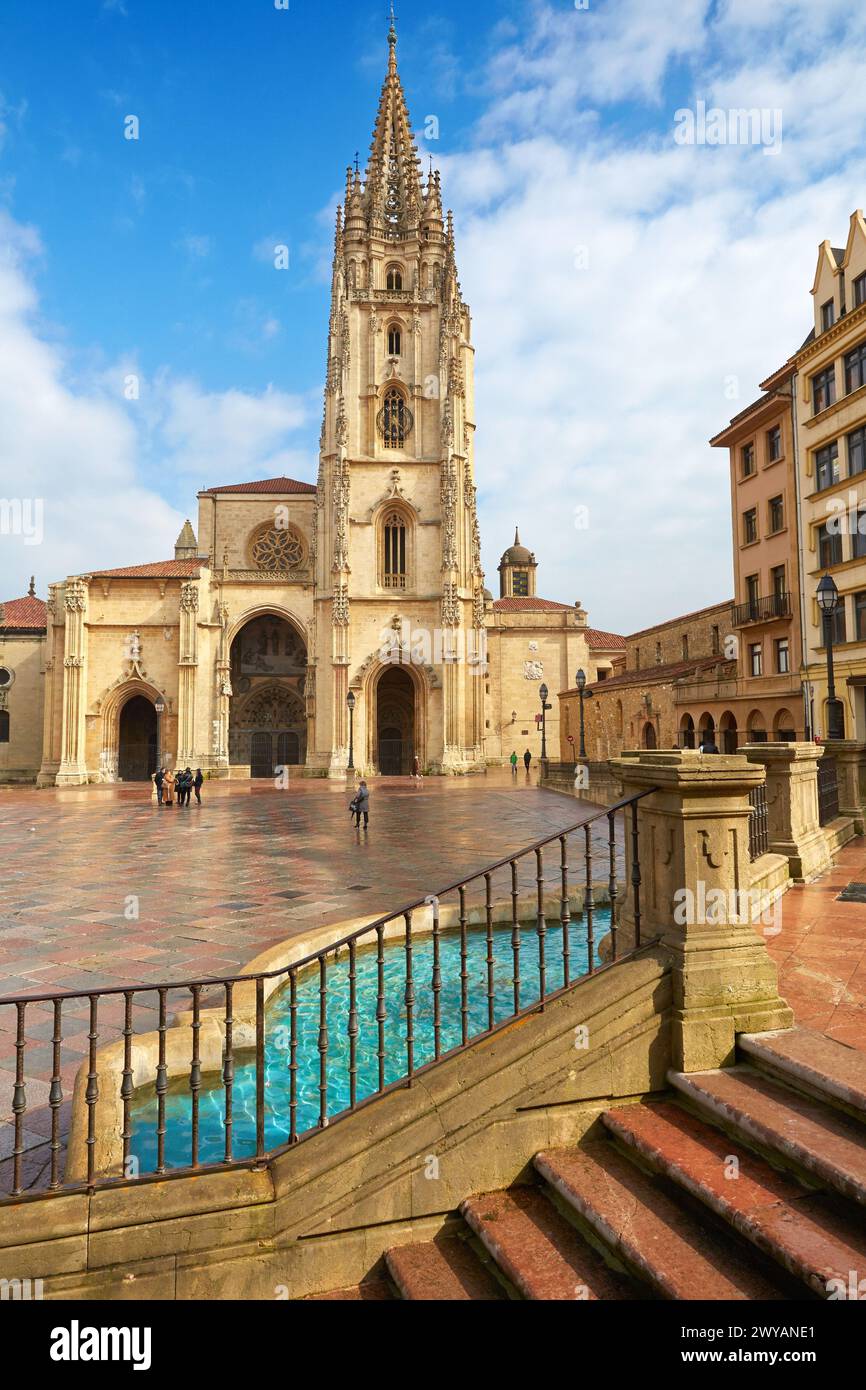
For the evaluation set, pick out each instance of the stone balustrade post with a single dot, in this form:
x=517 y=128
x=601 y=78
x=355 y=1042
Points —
x=851 y=768
x=792 y=805
x=695 y=895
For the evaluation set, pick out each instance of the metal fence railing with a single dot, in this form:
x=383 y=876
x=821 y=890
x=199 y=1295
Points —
x=342 y=1046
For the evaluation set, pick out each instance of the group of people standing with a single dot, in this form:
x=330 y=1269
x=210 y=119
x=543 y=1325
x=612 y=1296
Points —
x=175 y=788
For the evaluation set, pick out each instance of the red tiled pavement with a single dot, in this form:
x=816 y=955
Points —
x=821 y=952
x=220 y=883
x=217 y=884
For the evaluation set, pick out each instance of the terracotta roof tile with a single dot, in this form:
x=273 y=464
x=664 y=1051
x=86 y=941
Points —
x=264 y=485
x=649 y=675
x=514 y=604
x=683 y=618
x=609 y=641
x=27 y=614
x=162 y=569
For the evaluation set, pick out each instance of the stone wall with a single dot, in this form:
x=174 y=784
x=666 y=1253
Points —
x=24 y=657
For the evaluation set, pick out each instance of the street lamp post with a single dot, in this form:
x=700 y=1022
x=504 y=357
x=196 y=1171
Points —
x=543 y=692
x=828 y=602
x=350 y=701
x=582 y=694
x=159 y=706
x=806 y=689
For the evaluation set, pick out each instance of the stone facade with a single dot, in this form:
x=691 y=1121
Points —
x=765 y=617
x=817 y=402
x=831 y=430
x=292 y=602
x=22 y=672
x=664 y=690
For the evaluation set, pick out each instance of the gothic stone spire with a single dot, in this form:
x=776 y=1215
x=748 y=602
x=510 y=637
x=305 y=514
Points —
x=393 y=183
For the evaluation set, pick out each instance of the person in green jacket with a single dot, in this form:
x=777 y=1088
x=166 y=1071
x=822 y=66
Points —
x=514 y=763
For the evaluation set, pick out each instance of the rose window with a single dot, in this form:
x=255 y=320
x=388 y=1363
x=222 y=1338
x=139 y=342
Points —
x=274 y=549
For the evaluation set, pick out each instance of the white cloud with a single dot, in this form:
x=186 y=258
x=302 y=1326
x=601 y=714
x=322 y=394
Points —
x=601 y=386
x=104 y=466
x=232 y=434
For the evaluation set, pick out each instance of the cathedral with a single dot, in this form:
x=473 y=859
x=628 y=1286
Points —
x=316 y=626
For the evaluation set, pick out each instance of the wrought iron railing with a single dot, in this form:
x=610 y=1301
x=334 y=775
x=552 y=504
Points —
x=759 y=829
x=110 y=1015
x=760 y=610
x=828 y=790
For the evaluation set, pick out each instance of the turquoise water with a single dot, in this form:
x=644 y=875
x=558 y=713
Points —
x=178 y=1104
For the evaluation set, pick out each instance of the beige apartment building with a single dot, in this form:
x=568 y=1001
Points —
x=764 y=635
x=831 y=427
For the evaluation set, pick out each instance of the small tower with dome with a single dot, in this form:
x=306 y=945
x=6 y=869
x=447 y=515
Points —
x=517 y=571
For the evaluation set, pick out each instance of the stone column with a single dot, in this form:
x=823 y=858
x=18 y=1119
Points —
x=188 y=751
x=693 y=853
x=792 y=805
x=851 y=766
x=73 y=767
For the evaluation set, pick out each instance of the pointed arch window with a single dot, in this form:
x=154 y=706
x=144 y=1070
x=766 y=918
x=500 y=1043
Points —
x=395 y=569
x=395 y=420
x=395 y=340
x=394 y=278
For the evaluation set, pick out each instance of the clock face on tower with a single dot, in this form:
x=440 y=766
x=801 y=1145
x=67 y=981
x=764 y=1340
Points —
x=395 y=420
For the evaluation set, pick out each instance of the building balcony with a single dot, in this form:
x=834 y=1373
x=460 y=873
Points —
x=761 y=610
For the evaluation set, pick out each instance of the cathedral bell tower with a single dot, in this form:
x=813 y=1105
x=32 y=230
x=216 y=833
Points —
x=397 y=546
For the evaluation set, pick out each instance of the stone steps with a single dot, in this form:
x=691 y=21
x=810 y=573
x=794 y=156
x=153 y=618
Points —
x=747 y=1183
x=810 y=1061
x=822 y=1143
x=442 y=1269
x=654 y=1236
x=802 y=1232
x=538 y=1250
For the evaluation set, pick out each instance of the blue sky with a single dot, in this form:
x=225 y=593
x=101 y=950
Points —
x=248 y=117
x=618 y=282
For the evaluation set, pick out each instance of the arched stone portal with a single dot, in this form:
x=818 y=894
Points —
x=395 y=722
x=137 y=750
x=268 y=719
x=728 y=730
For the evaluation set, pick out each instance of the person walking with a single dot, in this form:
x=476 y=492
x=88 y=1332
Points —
x=199 y=779
x=360 y=806
x=527 y=759
x=167 y=787
x=513 y=762
x=158 y=779
x=416 y=772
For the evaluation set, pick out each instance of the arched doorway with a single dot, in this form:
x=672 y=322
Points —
x=137 y=750
x=267 y=718
x=728 y=730
x=783 y=727
x=706 y=725
x=687 y=732
x=395 y=722
x=649 y=736
x=756 y=727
